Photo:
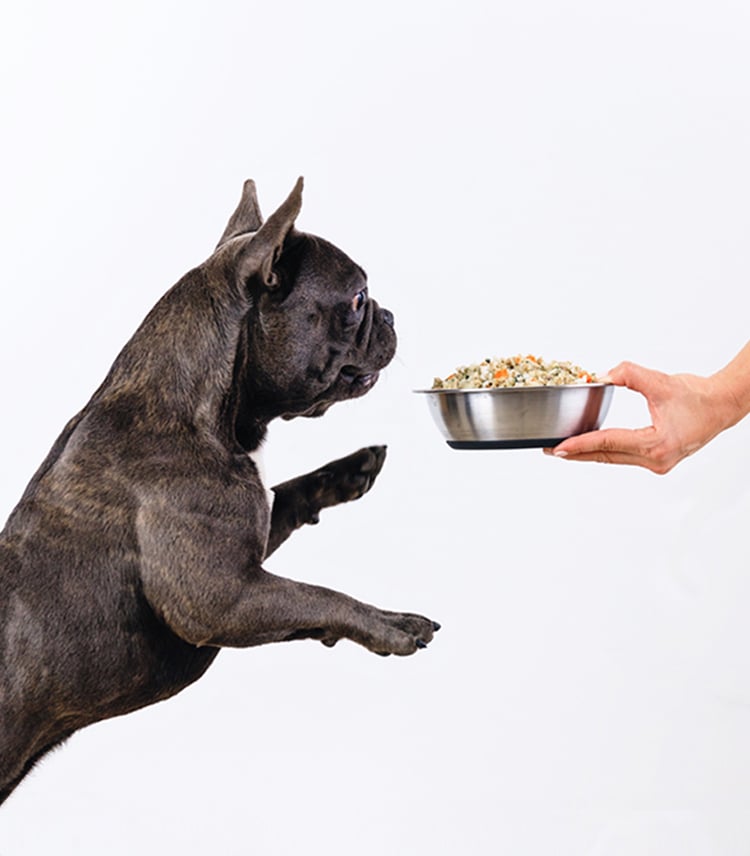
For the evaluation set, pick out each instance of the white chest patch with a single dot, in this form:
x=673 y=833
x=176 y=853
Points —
x=257 y=458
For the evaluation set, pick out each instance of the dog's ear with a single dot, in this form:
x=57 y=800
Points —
x=262 y=250
x=247 y=217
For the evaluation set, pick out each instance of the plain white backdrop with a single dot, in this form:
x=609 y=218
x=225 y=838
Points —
x=566 y=178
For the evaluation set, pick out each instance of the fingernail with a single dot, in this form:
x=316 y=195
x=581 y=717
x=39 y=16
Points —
x=561 y=454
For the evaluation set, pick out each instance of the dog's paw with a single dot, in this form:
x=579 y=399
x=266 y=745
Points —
x=403 y=633
x=347 y=478
x=386 y=633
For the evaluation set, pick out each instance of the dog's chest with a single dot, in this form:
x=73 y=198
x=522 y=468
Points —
x=257 y=458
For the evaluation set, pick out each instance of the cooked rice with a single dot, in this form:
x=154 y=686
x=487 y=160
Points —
x=514 y=371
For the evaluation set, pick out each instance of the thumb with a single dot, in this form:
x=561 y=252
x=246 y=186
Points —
x=638 y=378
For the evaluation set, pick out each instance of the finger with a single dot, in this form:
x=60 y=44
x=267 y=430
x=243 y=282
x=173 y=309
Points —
x=615 y=458
x=648 y=382
x=626 y=441
x=642 y=448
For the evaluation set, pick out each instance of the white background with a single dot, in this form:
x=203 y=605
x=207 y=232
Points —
x=565 y=178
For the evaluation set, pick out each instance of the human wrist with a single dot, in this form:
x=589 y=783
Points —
x=730 y=394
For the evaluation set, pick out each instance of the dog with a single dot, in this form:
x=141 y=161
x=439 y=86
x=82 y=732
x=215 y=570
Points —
x=136 y=551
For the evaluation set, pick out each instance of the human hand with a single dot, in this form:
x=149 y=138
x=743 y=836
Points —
x=686 y=412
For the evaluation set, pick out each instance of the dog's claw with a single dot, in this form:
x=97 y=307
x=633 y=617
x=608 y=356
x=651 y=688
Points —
x=421 y=644
x=435 y=626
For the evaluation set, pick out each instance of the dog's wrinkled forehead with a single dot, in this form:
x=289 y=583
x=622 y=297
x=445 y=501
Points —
x=319 y=260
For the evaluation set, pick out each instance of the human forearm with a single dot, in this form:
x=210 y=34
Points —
x=731 y=388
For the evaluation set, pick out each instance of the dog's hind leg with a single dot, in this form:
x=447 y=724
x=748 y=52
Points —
x=7 y=787
x=301 y=499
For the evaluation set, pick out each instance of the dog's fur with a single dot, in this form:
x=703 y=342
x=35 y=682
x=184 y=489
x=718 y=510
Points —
x=136 y=551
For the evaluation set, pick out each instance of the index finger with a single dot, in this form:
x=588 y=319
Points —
x=621 y=441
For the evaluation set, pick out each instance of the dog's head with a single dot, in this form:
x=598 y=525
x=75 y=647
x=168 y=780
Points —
x=313 y=334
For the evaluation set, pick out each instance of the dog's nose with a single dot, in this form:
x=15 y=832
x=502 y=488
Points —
x=387 y=317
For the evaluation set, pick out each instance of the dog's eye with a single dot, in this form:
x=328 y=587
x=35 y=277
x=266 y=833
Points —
x=360 y=298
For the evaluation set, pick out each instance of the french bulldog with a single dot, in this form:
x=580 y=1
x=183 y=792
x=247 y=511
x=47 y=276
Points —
x=136 y=552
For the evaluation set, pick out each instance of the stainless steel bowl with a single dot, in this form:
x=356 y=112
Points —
x=517 y=417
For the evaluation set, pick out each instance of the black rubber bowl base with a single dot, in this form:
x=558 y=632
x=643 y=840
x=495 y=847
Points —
x=540 y=443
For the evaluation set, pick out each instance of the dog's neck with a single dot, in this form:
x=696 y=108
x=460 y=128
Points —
x=179 y=366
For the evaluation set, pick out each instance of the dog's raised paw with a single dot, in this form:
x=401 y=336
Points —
x=349 y=478
x=359 y=470
x=401 y=633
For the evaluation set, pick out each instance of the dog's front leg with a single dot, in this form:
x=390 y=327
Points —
x=201 y=572
x=258 y=607
x=300 y=500
x=280 y=609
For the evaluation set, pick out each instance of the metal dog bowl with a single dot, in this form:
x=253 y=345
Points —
x=517 y=417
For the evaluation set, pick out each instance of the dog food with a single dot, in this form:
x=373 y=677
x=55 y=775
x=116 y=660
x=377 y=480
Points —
x=514 y=371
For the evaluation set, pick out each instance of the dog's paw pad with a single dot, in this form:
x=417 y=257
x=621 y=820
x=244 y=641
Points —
x=349 y=478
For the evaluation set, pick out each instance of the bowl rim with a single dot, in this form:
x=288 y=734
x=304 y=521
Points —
x=505 y=389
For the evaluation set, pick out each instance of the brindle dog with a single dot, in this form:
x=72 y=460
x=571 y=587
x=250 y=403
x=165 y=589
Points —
x=136 y=552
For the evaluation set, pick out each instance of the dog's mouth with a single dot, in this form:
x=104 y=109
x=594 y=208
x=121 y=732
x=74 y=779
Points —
x=359 y=381
x=352 y=383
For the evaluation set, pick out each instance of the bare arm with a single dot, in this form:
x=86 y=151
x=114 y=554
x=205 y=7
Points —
x=687 y=411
